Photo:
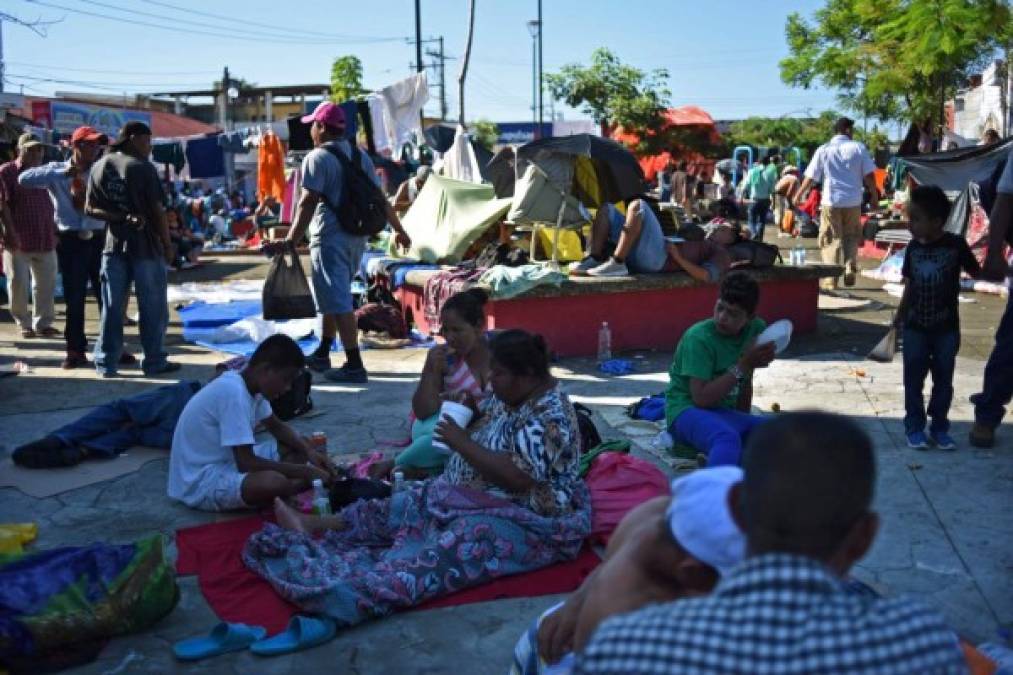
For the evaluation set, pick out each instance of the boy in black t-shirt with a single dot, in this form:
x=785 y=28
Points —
x=929 y=315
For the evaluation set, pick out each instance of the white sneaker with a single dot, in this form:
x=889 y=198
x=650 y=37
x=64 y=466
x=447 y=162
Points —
x=610 y=268
x=581 y=268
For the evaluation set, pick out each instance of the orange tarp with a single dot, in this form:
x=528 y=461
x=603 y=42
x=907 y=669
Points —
x=686 y=116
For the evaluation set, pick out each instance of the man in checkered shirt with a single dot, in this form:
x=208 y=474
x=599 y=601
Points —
x=805 y=508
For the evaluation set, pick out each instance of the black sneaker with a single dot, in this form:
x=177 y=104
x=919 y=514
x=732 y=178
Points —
x=47 y=453
x=167 y=367
x=347 y=375
x=318 y=363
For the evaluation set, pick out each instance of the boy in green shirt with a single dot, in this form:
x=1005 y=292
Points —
x=711 y=379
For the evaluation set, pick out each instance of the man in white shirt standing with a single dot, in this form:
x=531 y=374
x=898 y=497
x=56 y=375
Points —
x=842 y=165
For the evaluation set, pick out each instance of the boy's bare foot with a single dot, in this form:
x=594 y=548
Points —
x=287 y=517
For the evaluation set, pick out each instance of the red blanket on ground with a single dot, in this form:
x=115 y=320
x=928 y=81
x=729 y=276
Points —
x=214 y=553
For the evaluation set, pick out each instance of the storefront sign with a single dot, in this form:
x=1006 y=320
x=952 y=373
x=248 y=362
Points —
x=63 y=117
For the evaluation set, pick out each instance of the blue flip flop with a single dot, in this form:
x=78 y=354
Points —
x=223 y=638
x=303 y=632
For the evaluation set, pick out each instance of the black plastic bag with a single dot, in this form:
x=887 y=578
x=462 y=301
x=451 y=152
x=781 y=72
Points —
x=286 y=292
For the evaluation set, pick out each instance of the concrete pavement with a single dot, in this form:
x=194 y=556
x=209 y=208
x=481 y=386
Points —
x=947 y=531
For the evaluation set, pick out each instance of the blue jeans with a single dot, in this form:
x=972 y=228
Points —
x=719 y=434
x=926 y=353
x=997 y=389
x=758 y=211
x=145 y=419
x=148 y=275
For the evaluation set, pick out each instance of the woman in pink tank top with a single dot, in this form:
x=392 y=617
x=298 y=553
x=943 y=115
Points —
x=455 y=370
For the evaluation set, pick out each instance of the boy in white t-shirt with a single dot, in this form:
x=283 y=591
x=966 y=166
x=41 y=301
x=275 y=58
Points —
x=216 y=465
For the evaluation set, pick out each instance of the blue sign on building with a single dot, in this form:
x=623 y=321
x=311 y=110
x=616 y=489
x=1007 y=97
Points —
x=517 y=133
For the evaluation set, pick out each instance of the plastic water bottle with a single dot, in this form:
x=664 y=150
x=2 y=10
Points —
x=801 y=254
x=321 y=500
x=398 y=482
x=604 y=342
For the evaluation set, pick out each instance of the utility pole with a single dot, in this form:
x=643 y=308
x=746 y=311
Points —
x=418 y=53
x=442 y=57
x=464 y=64
x=541 y=107
x=223 y=109
x=1 y=56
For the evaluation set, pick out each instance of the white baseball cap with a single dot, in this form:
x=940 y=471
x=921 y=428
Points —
x=701 y=518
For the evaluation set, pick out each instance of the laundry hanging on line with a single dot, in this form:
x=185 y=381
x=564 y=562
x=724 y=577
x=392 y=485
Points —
x=205 y=157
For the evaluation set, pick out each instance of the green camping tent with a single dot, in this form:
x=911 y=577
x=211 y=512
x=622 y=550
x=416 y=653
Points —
x=448 y=216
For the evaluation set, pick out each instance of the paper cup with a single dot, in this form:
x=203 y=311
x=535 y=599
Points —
x=461 y=414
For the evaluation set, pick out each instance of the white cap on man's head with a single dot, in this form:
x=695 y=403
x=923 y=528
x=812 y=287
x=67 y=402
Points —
x=701 y=518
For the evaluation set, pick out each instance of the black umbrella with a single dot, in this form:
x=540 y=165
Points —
x=615 y=172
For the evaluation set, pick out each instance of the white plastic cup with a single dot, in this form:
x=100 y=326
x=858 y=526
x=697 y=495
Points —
x=461 y=414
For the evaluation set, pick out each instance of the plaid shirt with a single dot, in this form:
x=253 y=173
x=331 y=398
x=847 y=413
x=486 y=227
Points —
x=31 y=210
x=777 y=614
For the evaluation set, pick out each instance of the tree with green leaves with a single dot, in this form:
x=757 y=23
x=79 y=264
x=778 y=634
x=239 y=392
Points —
x=806 y=133
x=894 y=59
x=617 y=95
x=346 y=78
x=485 y=132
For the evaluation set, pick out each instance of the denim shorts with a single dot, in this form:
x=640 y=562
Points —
x=334 y=260
x=649 y=254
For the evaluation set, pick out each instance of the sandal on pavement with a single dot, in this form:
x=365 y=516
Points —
x=223 y=638
x=302 y=633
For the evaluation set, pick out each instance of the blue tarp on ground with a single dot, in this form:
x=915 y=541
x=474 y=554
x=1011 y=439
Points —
x=212 y=315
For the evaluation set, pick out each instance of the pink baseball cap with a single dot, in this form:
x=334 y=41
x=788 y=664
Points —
x=327 y=113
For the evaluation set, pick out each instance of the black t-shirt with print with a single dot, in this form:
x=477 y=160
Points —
x=932 y=272
x=126 y=185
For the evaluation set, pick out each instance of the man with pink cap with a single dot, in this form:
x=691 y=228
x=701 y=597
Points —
x=334 y=252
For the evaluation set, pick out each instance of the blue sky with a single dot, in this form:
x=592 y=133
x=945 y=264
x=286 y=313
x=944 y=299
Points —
x=721 y=54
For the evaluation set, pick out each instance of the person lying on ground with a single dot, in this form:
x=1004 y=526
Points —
x=696 y=255
x=710 y=391
x=457 y=370
x=640 y=247
x=805 y=507
x=148 y=419
x=509 y=500
x=665 y=549
x=216 y=464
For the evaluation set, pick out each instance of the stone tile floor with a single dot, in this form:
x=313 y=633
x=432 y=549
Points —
x=947 y=531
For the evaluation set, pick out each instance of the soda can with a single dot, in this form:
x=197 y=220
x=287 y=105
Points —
x=318 y=439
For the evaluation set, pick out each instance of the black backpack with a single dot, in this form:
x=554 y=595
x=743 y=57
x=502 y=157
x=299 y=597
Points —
x=297 y=400
x=589 y=436
x=362 y=210
x=754 y=253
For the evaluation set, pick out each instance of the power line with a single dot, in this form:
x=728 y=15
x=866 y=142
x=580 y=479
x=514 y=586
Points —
x=273 y=27
x=98 y=84
x=225 y=35
x=41 y=66
x=257 y=34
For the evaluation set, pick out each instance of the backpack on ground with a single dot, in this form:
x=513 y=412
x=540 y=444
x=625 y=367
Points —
x=297 y=400
x=362 y=210
x=755 y=253
x=589 y=436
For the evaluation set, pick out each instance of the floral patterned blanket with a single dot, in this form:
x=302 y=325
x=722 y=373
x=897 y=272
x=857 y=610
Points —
x=431 y=539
